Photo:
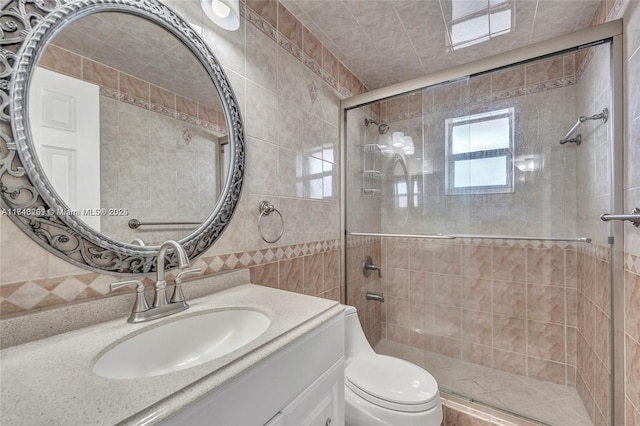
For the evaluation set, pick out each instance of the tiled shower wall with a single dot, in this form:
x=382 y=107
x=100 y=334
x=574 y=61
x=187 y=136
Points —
x=594 y=335
x=504 y=304
x=594 y=198
x=369 y=311
x=632 y=199
x=542 y=95
x=289 y=87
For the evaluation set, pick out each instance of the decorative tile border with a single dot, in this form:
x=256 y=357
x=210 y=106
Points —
x=22 y=297
x=343 y=81
x=207 y=112
x=497 y=96
x=632 y=263
x=167 y=112
x=359 y=240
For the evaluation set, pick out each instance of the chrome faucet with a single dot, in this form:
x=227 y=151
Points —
x=161 y=306
x=160 y=298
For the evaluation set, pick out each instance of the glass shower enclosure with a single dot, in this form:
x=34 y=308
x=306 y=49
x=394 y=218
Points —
x=478 y=192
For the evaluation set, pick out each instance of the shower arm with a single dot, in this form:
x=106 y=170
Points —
x=604 y=116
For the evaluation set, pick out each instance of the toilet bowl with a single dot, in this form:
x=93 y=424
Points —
x=383 y=390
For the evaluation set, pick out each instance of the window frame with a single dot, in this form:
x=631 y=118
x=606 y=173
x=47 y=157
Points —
x=451 y=158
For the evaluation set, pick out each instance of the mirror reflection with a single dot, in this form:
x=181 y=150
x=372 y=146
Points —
x=127 y=124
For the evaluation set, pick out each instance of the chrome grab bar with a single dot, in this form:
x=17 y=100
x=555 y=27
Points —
x=376 y=234
x=482 y=237
x=511 y=237
x=604 y=116
x=633 y=217
x=135 y=223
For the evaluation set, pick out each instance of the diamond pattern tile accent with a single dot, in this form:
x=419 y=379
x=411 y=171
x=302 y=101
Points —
x=288 y=252
x=28 y=296
x=24 y=296
x=245 y=259
x=257 y=257
x=269 y=256
x=231 y=261
x=216 y=264
x=628 y=262
x=69 y=288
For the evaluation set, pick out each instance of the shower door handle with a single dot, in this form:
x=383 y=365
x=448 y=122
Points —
x=633 y=217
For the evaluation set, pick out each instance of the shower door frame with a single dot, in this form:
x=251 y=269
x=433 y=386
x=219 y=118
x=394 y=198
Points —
x=610 y=31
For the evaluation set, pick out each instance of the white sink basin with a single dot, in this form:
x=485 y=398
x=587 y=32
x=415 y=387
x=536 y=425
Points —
x=182 y=344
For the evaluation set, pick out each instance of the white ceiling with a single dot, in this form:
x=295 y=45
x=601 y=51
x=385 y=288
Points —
x=384 y=42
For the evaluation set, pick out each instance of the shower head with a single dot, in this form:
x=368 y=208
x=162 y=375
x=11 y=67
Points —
x=382 y=128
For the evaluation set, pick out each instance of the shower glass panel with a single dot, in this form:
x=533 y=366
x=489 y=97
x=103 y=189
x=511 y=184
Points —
x=505 y=298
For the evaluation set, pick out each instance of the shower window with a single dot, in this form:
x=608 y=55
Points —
x=479 y=153
x=402 y=194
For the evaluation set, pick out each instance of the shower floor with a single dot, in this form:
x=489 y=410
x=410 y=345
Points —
x=539 y=400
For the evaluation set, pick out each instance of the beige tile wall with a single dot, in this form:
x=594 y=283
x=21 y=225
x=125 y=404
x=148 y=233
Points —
x=158 y=167
x=632 y=199
x=363 y=209
x=544 y=202
x=593 y=338
x=594 y=198
x=289 y=98
x=504 y=304
x=369 y=311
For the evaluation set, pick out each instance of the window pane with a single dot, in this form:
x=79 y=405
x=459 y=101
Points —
x=462 y=8
x=480 y=135
x=481 y=172
x=315 y=166
x=470 y=29
x=327 y=186
x=500 y=22
x=315 y=189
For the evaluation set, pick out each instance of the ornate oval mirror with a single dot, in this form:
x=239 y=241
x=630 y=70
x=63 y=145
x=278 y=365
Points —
x=126 y=130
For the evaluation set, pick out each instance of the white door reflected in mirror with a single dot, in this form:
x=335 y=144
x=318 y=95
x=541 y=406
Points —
x=65 y=123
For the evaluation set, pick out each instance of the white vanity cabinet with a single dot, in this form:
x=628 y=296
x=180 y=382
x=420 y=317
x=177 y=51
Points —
x=321 y=404
x=301 y=384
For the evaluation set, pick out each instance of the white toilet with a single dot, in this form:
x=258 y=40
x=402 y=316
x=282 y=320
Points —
x=383 y=390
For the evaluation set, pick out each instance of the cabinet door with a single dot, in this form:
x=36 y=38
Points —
x=321 y=404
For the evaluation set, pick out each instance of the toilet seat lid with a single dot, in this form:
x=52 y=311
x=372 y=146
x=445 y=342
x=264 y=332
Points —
x=392 y=383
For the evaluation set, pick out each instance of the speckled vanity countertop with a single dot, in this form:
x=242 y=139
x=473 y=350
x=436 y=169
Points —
x=50 y=381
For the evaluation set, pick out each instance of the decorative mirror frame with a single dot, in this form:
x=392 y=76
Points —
x=27 y=197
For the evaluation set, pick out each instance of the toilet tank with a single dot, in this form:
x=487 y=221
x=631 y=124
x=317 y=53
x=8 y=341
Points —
x=355 y=340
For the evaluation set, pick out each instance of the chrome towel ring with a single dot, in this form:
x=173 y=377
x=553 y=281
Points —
x=266 y=208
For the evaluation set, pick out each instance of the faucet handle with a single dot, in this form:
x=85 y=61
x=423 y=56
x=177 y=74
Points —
x=178 y=295
x=140 y=304
x=186 y=272
x=370 y=266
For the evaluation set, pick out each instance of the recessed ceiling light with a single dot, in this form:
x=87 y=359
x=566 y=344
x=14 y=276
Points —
x=223 y=13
